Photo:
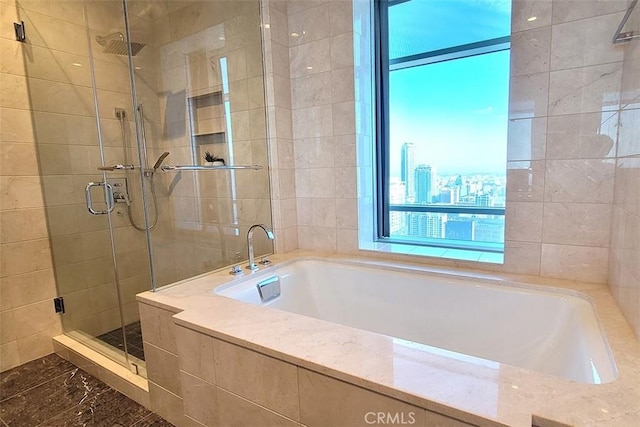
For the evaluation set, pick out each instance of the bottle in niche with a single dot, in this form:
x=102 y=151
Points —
x=211 y=160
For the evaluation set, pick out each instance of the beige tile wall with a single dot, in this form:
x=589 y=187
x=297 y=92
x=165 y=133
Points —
x=624 y=256
x=564 y=108
x=562 y=141
x=321 y=69
x=27 y=280
x=275 y=33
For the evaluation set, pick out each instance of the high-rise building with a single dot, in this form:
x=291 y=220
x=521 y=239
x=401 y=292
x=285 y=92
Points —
x=489 y=229
x=460 y=229
x=450 y=195
x=407 y=166
x=428 y=224
x=425 y=182
x=483 y=200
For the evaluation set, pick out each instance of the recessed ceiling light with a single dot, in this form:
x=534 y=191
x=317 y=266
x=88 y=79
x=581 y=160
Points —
x=138 y=68
x=295 y=35
x=221 y=38
x=267 y=25
x=309 y=68
x=533 y=18
x=77 y=64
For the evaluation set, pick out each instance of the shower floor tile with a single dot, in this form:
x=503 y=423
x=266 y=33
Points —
x=133 y=333
x=52 y=392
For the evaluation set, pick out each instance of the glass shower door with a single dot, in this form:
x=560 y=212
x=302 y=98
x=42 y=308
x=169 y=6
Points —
x=100 y=261
x=126 y=169
x=202 y=87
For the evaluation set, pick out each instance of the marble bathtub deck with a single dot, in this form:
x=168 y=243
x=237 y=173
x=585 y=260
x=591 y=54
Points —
x=489 y=394
x=53 y=392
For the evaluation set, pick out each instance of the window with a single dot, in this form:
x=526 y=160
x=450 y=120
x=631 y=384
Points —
x=442 y=81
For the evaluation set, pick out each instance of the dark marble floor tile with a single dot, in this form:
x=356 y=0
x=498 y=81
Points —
x=31 y=374
x=153 y=420
x=133 y=335
x=136 y=351
x=38 y=404
x=134 y=328
x=107 y=409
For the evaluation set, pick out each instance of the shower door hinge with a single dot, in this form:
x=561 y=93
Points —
x=58 y=305
x=21 y=36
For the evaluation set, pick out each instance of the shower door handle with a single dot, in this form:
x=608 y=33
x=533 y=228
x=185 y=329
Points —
x=108 y=197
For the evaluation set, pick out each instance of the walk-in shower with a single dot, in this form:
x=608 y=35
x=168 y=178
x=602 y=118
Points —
x=156 y=223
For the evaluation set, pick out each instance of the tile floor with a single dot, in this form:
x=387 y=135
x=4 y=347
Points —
x=52 y=392
x=133 y=332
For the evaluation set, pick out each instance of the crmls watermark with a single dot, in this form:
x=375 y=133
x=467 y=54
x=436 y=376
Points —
x=390 y=418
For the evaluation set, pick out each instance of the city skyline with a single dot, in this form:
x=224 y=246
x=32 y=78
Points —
x=421 y=184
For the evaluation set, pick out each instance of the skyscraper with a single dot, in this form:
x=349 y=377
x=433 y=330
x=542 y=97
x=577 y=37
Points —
x=425 y=184
x=431 y=225
x=407 y=166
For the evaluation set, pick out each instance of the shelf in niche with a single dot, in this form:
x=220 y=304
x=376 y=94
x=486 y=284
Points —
x=207 y=98
x=207 y=118
x=210 y=138
x=204 y=92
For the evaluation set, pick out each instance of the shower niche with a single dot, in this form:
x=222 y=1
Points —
x=207 y=95
x=208 y=124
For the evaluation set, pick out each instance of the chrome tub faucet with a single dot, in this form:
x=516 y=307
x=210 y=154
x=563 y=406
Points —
x=252 y=265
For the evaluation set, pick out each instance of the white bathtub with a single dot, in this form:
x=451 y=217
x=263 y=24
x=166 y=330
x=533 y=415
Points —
x=546 y=330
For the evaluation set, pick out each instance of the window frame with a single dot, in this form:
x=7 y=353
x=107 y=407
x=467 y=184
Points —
x=383 y=66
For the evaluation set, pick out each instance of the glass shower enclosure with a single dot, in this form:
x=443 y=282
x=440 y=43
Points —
x=150 y=126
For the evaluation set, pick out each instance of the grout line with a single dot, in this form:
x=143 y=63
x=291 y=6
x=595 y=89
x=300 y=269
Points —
x=63 y=372
x=42 y=383
x=142 y=419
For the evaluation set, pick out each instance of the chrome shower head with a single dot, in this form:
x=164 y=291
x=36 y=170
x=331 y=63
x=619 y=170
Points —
x=116 y=44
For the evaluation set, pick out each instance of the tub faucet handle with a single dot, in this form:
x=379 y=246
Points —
x=236 y=270
x=264 y=261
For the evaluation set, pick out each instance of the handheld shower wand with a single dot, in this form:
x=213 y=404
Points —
x=158 y=163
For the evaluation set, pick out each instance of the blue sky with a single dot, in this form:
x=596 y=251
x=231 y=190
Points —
x=455 y=112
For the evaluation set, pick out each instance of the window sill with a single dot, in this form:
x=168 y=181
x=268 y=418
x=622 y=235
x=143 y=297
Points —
x=434 y=252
